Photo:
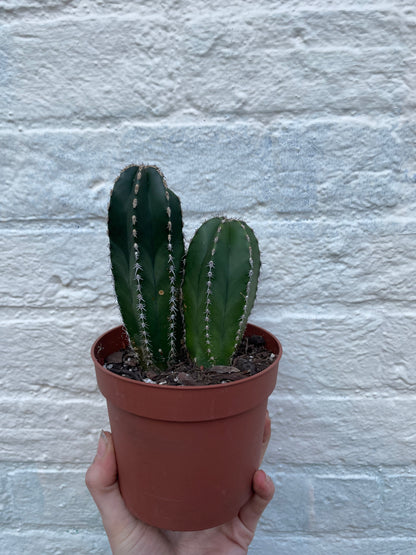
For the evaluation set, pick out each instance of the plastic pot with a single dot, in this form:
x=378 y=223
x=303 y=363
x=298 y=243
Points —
x=186 y=455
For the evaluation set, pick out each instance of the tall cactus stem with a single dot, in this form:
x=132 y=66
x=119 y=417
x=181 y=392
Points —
x=146 y=248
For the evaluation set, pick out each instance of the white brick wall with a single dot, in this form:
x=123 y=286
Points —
x=297 y=116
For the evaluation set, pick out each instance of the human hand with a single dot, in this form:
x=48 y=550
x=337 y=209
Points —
x=129 y=536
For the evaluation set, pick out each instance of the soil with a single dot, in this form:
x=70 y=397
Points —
x=250 y=358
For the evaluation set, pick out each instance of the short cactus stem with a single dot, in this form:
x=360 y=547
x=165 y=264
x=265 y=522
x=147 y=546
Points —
x=220 y=284
x=247 y=306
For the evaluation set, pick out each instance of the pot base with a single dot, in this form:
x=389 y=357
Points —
x=197 y=483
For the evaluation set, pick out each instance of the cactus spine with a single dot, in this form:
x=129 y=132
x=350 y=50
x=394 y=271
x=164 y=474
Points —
x=219 y=289
x=146 y=251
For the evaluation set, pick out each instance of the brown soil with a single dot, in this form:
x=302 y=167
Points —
x=250 y=358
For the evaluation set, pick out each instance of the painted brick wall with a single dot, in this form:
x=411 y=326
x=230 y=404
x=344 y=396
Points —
x=297 y=116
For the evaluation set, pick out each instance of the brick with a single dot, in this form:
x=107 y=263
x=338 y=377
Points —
x=72 y=184
x=398 y=353
x=330 y=353
x=308 y=501
x=303 y=263
x=353 y=430
x=352 y=351
x=35 y=430
x=321 y=81
x=6 y=67
x=345 y=503
x=61 y=184
x=54 y=542
x=314 y=264
x=5 y=497
x=361 y=193
x=197 y=7
x=307 y=545
x=72 y=85
x=399 y=497
x=13 y=6
x=50 y=497
x=289 y=510
x=46 y=279
x=81 y=69
x=31 y=414
x=12 y=10
x=286 y=29
x=321 y=169
x=328 y=149
x=406 y=136
x=62 y=369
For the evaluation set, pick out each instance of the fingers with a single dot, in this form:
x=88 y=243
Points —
x=262 y=485
x=263 y=493
x=266 y=435
x=101 y=480
x=103 y=471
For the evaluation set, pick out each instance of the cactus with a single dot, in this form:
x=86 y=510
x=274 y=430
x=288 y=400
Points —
x=146 y=251
x=219 y=289
x=147 y=259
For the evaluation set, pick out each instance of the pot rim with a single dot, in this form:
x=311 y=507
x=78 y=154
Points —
x=257 y=330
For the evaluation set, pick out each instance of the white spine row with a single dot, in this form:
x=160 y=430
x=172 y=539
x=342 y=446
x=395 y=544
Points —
x=173 y=308
x=244 y=316
x=210 y=275
x=141 y=307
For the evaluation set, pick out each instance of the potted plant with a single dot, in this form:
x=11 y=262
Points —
x=186 y=454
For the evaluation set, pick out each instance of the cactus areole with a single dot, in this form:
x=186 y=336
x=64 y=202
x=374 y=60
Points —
x=186 y=454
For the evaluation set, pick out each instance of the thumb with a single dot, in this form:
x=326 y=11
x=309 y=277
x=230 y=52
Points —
x=251 y=512
x=101 y=480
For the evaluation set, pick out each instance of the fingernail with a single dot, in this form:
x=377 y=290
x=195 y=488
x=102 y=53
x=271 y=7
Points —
x=269 y=480
x=102 y=445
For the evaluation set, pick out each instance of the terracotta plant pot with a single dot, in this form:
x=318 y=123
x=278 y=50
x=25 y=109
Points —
x=186 y=455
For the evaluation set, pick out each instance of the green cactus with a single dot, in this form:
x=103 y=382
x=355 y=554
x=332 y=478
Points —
x=219 y=289
x=146 y=250
x=147 y=260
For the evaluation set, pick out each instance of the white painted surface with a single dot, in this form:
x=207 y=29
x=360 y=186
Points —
x=295 y=116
